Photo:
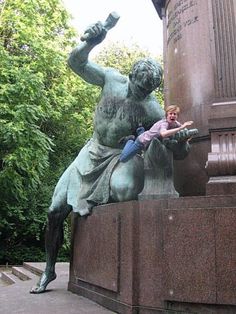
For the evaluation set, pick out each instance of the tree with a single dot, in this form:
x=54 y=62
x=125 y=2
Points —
x=38 y=100
x=46 y=115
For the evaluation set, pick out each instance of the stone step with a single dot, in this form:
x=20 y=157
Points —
x=16 y=274
x=35 y=268
x=38 y=267
x=3 y=269
x=3 y=283
x=22 y=273
x=8 y=278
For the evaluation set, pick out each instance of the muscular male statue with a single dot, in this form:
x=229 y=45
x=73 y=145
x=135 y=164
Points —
x=96 y=176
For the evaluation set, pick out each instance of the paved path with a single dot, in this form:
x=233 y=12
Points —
x=16 y=299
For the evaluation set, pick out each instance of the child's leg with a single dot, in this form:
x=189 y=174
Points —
x=131 y=149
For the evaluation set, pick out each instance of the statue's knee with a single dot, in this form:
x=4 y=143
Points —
x=51 y=214
x=57 y=215
x=127 y=181
x=123 y=191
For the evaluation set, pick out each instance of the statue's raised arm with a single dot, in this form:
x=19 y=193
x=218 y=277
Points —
x=78 y=59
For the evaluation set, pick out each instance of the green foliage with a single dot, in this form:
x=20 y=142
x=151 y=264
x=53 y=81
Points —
x=46 y=115
x=121 y=57
x=41 y=115
x=18 y=254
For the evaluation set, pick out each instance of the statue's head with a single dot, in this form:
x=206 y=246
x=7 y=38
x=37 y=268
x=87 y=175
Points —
x=145 y=77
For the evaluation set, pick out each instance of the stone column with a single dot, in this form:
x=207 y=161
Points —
x=200 y=76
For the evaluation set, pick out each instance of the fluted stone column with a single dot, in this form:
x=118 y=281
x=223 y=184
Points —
x=200 y=76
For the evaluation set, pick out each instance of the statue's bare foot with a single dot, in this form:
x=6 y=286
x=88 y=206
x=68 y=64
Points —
x=43 y=282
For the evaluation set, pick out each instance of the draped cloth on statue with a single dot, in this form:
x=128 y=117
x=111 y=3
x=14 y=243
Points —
x=87 y=178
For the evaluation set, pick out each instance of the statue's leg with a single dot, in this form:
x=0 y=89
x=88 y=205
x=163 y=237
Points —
x=127 y=180
x=53 y=242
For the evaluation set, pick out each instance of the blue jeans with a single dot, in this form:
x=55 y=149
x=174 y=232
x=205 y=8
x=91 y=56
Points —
x=130 y=150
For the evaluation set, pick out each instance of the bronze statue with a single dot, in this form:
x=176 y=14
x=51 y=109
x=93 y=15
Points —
x=97 y=176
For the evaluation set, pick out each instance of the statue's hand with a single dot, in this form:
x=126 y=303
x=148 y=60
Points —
x=184 y=135
x=180 y=149
x=179 y=143
x=125 y=139
x=170 y=143
x=95 y=33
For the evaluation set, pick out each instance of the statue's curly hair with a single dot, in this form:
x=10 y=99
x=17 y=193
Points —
x=148 y=71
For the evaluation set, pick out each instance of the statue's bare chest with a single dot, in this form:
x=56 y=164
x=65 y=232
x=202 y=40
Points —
x=123 y=111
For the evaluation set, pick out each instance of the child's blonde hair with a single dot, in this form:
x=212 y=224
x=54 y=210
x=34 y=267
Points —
x=172 y=108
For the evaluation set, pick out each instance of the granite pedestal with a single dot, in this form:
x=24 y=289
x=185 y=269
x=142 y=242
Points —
x=158 y=256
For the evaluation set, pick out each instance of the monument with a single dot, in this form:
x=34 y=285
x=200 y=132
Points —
x=199 y=57
x=162 y=254
x=98 y=175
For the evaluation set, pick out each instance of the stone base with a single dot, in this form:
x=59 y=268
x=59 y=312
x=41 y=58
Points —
x=158 y=256
x=221 y=185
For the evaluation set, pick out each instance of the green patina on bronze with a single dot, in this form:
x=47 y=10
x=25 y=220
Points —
x=96 y=176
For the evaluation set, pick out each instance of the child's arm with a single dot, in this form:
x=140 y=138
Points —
x=167 y=133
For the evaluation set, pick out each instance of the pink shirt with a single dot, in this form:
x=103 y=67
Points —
x=155 y=130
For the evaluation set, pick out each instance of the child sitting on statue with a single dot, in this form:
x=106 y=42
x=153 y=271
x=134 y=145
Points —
x=164 y=128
